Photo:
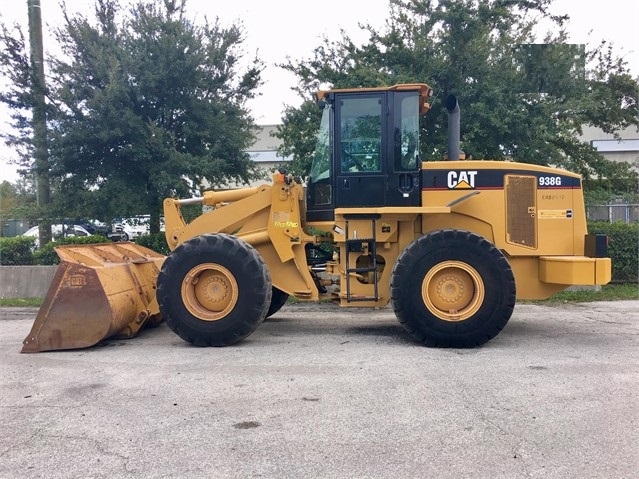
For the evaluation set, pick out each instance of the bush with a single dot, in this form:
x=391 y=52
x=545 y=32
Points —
x=17 y=250
x=623 y=248
x=47 y=255
x=21 y=250
x=156 y=242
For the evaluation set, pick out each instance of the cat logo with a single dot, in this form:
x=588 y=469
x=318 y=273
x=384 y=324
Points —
x=461 y=180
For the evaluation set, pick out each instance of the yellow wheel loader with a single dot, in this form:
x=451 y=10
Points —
x=450 y=244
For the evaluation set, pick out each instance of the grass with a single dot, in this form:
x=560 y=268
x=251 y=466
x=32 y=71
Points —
x=609 y=292
x=24 y=302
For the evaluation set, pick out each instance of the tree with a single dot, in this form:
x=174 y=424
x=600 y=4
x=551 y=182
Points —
x=520 y=99
x=298 y=133
x=17 y=200
x=143 y=105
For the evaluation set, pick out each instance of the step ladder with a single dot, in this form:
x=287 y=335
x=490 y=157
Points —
x=357 y=245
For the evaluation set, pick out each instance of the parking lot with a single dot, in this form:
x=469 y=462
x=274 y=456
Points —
x=323 y=392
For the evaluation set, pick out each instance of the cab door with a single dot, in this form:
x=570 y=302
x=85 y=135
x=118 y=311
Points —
x=402 y=161
x=360 y=143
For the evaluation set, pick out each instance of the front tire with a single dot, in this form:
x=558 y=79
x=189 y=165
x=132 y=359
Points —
x=214 y=290
x=452 y=288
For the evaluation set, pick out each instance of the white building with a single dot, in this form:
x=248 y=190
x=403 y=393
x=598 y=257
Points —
x=264 y=151
x=626 y=149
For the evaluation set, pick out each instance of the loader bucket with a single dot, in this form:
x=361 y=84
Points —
x=98 y=291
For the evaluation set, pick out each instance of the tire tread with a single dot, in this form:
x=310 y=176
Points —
x=252 y=269
x=416 y=326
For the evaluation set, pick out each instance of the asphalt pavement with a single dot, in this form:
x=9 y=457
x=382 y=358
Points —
x=323 y=392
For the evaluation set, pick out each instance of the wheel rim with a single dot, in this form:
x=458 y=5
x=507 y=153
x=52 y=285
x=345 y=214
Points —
x=453 y=291
x=209 y=291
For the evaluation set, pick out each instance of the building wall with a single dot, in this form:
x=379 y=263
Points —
x=264 y=153
x=624 y=149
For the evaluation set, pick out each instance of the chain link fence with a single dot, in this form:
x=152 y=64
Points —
x=628 y=213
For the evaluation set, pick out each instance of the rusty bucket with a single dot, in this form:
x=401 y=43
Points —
x=99 y=291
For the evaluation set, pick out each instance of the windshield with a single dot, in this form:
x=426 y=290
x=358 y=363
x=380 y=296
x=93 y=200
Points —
x=321 y=167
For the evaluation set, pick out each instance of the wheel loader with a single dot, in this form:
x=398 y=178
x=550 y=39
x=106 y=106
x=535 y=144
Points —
x=450 y=244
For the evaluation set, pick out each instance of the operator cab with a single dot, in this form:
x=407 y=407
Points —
x=367 y=152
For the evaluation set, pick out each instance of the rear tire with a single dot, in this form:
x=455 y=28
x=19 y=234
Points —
x=278 y=299
x=214 y=290
x=452 y=288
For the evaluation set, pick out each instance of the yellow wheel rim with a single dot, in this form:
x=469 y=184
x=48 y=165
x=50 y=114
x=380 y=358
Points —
x=209 y=291
x=453 y=291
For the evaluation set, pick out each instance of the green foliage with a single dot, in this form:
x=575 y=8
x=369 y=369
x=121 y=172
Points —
x=21 y=302
x=520 y=98
x=298 y=135
x=21 y=250
x=608 y=292
x=8 y=201
x=604 y=191
x=191 y=212
x=143 y=104
x=17 y=251
x=46 y=255
x=17 y=201
x=154 y=241
x=623 y=248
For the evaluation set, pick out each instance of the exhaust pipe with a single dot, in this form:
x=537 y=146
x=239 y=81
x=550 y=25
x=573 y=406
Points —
x=453 y=127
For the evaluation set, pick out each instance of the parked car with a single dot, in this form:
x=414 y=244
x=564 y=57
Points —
x=94 y=227
x=129 y=228
x=57 y=232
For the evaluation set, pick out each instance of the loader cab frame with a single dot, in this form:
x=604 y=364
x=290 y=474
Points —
x=367 y=152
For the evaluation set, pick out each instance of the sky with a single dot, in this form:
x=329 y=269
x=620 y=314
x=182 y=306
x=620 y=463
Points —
x=277 y=29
